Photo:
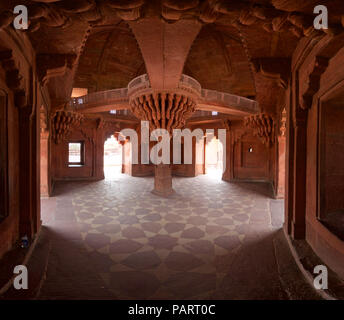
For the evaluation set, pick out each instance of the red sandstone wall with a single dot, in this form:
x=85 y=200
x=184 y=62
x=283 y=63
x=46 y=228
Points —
x=331 y=87
x=9 y=227
x=332 y=157
x=22 y=140
x=94 y=153
x=246 y=165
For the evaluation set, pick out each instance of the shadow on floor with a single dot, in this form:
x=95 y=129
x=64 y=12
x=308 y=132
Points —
x=115 y=240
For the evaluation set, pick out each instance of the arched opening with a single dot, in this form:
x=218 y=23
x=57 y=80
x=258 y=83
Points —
x=112 y=158
x=214 y=158
x=44 y=154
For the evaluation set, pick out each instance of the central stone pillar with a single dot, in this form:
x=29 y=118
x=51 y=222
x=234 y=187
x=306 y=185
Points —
x=163 y=180
x=163 y=110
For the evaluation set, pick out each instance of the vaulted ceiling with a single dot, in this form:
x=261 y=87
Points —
x=110 y=59
x=103 y=52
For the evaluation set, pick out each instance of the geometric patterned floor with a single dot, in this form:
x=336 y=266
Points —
x=116 y=240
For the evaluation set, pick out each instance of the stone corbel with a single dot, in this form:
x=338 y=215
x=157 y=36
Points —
x=263 y=127
x=127 y=10
x=313 y=82
x=277 y=69
x=53 y=65
x=63 y=122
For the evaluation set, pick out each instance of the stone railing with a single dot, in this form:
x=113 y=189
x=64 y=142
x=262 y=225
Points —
x=229 y=100
x=138 y=83
x=189 y=85
x=114 y=96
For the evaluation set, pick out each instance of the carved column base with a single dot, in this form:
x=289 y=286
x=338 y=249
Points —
x=163 y=181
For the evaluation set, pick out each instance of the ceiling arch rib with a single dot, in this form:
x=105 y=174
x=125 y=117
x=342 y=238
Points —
x=111 y=58
x=165 y=48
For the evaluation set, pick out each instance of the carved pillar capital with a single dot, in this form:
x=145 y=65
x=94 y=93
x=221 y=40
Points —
x=263 y=127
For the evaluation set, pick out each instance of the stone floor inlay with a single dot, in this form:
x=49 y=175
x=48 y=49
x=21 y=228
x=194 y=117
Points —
x=202 y=243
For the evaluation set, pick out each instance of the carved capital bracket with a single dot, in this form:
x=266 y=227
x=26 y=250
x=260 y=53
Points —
x=53 y=65
x=63 y=122
x=277 y=69
x=263 y=127
x=163 y=110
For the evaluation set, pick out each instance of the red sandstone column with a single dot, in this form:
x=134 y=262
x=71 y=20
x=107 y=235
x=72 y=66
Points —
x=44 y=164
x=226 y=176
x=163 y=180
x=281 y=168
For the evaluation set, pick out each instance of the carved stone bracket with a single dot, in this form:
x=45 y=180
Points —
x=53 y=65
x=263 y=127
x=277 y=69
x=163 y=110
x=63 y=122
x=313 y=81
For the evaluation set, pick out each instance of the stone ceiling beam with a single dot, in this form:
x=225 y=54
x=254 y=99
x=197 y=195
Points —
x=165 y=48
